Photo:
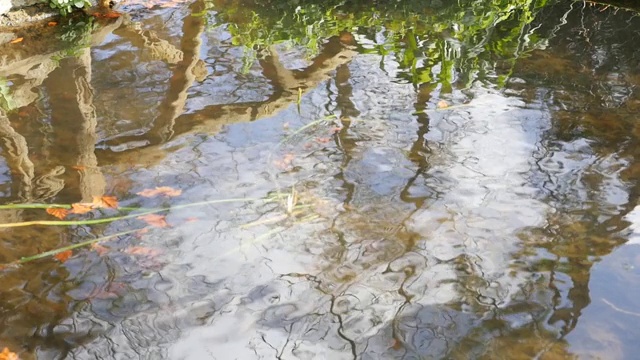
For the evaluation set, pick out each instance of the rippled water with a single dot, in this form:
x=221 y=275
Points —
x=414 y=181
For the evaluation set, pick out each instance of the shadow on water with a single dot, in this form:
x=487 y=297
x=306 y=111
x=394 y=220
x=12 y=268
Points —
x=450 y=181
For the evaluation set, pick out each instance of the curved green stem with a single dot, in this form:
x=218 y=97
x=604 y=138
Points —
x=71 y=247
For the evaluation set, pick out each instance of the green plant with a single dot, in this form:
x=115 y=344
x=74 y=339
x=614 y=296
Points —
x=67 y=6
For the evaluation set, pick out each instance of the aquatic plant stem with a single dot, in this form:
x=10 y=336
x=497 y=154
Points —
x=130 y=216
x=71 y=247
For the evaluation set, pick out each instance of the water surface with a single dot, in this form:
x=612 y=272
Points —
x=408 y=180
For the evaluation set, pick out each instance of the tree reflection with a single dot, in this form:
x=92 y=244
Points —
x=441 y=256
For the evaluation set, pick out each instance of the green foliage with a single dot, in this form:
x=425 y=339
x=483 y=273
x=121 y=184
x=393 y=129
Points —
x=6 y=100
x=433 y=42
x=67 y=6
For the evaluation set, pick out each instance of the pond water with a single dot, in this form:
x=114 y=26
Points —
x=401 y=180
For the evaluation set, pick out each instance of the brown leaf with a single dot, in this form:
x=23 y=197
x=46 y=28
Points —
x=162 y=190
x=17 y=40
x=112 y=15
x=154 y=220
x=52 y=23
x=105 y=202
x=80 y=208
x=63 y=256
x=101 y=250
x=8 y=355
x=79 y=167
x=57 y=212
x=143 y=251
x=442 y=104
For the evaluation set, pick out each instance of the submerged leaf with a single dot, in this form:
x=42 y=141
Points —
x=143 y=251
x=63 y=256
x=154 y=220
x=101 y=250
x=17 y=40
x=162 y=190
x=111 y=15
x=80 y=208
x=8 y=355
x=105 y=202
x=442 y=104
x=57 y=212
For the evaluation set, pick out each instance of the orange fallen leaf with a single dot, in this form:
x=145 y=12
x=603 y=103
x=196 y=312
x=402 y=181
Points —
x=143 y=251
x=105 y=202
x=111 y=15
x=285 y=162
x=162 y=190
x=57 y=212
x=79 y=167
x=442 y=104
x=52 y=23
x=101 y=250
x=63 y=256
x=154 y=220
x=17 y=40
x=8 y=355
x=323 y=140
x=80 y=208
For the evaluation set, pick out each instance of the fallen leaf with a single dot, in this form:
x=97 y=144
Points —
x=191 y=219
x=105 y=202
x=162 y=190
x=110 y=291
x=323 y=140
x=442 y=104
x=17 y=40
x=101 y=250
x=112 y=15
x=52 y=23
x=154 y=220
x=79 y=167
x=397 y=345
x=143 y=251
x=57 y=212
x=63 y=256
x=8 y=355
x=335 y=129
x=81 y=208
x=285 y=162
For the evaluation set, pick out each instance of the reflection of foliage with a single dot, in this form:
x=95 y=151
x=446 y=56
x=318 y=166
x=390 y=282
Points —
x=67 y=6
x=453 y=41
x=6 y=100
x=77 y=34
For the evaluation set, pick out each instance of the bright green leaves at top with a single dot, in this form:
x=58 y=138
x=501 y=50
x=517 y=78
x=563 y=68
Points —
x=443 y=42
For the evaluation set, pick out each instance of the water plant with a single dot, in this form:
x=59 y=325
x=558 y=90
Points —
x=67 y=6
